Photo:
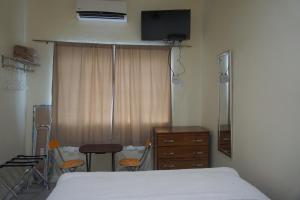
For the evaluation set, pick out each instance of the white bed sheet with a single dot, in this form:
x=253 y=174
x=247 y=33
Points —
x=190 y=184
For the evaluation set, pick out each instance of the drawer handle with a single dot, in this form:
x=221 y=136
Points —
x=198 y=153
x=169 y=166
x=169 y=141
x=169 y=154
x=198 y=165
x=198 y=140
x=226 y=139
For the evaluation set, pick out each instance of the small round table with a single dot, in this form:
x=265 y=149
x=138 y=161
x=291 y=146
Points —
x=89 y=149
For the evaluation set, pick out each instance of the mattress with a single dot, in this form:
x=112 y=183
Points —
x=189 y=184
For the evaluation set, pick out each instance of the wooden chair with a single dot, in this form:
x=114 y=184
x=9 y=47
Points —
x=135 y=164
x=65 y=165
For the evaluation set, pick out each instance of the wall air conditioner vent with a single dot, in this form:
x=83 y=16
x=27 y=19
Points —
x=101 y=10
x=101 y=15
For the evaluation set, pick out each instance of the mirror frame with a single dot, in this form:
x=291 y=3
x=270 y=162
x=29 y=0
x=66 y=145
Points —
x=228 y=153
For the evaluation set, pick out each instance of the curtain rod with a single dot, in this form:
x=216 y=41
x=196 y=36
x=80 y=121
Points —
x=126 y=44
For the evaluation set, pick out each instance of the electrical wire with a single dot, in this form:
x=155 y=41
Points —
x=179 y=60
x=170 y=62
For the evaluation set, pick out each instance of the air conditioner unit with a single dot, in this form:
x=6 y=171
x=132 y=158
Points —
x=101 y=10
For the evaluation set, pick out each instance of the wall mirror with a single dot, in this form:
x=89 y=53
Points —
x=225 y=103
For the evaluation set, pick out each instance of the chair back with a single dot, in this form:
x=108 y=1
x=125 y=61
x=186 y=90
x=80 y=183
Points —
x=54 y=145
x=148 y=145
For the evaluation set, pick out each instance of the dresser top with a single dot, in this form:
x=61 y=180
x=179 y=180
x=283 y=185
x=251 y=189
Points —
x=180 y=129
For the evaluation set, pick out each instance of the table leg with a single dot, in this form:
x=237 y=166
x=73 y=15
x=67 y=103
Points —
x=113 y=162
x=87 y=162
x=90 y=161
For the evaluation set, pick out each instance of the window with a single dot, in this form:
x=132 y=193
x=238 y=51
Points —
x=101 y=98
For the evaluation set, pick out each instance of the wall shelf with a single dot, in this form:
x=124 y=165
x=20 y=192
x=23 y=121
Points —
x=18 y=64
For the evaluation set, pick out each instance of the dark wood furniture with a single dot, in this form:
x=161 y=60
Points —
x=181 y=147
x=89 y=149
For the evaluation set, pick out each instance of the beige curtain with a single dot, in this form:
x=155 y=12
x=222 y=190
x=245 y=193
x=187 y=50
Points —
x=82 y=94
x=142 y=93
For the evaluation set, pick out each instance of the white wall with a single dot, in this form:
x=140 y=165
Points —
x=264 y=37
x=56 y=20
x=12 y=102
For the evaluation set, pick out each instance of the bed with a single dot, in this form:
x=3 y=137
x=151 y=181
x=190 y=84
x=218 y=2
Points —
x=190 y=184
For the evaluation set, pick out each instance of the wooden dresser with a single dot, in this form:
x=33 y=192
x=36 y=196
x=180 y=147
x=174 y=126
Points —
x=181 y=147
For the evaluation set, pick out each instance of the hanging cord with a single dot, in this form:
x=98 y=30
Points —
x=179 y=61
x=170 y=62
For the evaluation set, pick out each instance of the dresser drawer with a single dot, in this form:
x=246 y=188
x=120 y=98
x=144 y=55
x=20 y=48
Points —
x=182 y=147
x=182 y=164
x=183 y=152
x=182 y=139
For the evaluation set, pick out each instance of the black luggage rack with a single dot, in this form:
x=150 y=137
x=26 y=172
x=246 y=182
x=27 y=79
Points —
x=29 y=165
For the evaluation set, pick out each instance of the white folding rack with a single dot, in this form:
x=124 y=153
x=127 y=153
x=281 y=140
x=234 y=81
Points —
x=18 y=64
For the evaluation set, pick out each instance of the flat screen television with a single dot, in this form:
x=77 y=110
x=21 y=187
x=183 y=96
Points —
x=166 y=25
